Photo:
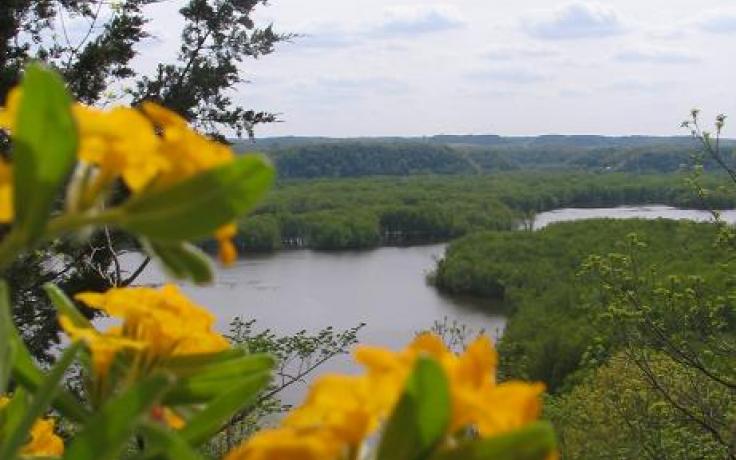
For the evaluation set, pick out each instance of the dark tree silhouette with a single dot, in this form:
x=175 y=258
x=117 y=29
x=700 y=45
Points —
x=92 y=44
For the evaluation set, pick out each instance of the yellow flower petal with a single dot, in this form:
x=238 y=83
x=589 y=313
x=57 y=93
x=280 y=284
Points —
x=430 y=344
x=478 y=364
x=6 y=192
x=121 y=142
x=104 y=347
x=44 y=442
x=187 y=152
x=9 y=113
x=164 y=319
x=227 y=252
x=168 y=417
x=508 y=406
x=342 y=404
x=288 y=444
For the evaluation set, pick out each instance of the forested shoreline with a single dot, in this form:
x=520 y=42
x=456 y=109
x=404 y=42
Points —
x=357 y=213
x=567 y=290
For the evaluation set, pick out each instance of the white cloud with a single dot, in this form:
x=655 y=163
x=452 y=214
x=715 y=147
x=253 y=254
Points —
x=718 y=22
x=328 y=91
x=325 y=39
x=638 y=86
x=358 y=59
x=656 y=56
x=574 y=21
x=511 y=53
x=513 y=75
x=395 y=21
x=419 y=19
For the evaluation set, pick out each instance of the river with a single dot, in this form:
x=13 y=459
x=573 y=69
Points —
x=628 y=212
x=295 y=290
x=384 y=288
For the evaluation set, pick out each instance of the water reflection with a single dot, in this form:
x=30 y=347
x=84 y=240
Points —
x=628 y=212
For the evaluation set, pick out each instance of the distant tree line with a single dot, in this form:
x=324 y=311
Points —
x=354 y=158
x=369 y=212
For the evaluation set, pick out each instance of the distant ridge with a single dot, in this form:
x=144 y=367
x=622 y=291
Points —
x=481 y=140
x=325 y=157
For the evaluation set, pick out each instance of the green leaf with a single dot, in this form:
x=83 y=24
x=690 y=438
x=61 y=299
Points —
x=45 y=144
x=28 y=376
x=533 y=442
x=235 y=396
x=203 y=381
x=39 y=404
x=421 y=417
x=195 y=208
x=164 y=443
x=65 y=305
x=106 y=433
x=183 y=261
x=234 y=367
x=211 y=420
x=202 y=390
x=7 y=347
x=12 y=414
x=197 y=361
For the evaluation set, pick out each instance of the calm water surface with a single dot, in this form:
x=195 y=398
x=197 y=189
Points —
x=385 y=288
x=297 y=290
x=628 y=212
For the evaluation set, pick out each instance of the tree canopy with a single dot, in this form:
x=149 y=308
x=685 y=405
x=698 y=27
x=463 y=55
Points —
x=92 y=44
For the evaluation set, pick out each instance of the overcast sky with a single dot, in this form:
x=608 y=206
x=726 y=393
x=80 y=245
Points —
x=522 y=67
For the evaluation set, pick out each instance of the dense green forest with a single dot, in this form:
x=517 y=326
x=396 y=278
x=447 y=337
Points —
x=535 y=273
x=368 y=212
x=567 y=329
x=323 y=157
x=629 y=323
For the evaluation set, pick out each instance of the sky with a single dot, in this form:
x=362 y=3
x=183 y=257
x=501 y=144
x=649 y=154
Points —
x=522 y=67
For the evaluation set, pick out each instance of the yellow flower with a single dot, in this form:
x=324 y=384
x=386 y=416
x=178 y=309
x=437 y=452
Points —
x=288 y=444
x=341 y=411
x=227 y=252
x=122 y=143
x=389 y=370
x=471 y=374
x=168 y=417
x=104 y=347
x=476 y=399
x=339 y=403
x=165 y=320
x=507 y=407
x=9 y=113
x=6 y=192
x=477 y=366
x=187 y=152
x=44 y=442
